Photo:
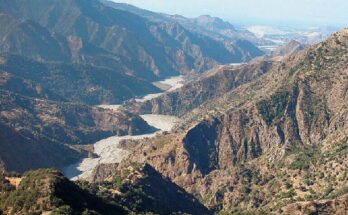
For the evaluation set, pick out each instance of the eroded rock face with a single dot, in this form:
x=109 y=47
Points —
x=283 y=126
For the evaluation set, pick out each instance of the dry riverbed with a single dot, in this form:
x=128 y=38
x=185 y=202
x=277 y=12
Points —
x=108 y=150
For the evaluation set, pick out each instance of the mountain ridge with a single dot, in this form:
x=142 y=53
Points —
x=251 y=148
x=85 y=16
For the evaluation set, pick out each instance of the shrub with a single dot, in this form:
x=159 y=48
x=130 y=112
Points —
x=304 y=158
x=272 y=109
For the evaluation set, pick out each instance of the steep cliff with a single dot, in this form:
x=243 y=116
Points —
x=266 y=143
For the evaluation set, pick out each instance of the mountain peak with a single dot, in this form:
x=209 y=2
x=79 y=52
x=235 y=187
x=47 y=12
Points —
x=215 y=22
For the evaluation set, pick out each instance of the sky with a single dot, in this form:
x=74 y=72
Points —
x=258 y=12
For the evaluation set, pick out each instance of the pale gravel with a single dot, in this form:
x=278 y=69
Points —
x=108 y=150
x=173 y=83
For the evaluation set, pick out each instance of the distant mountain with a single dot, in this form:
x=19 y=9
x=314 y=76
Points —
x=149 y=50
x=281 y=35
x=288 y=49
x=213 y=27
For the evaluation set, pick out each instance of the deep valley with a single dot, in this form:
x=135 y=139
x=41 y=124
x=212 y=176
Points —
x=107 y=108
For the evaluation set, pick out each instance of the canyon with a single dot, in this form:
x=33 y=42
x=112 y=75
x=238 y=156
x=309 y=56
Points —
x=106 y=108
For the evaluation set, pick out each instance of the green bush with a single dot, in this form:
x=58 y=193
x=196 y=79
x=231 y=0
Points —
x=272 y=109
x=304 y=158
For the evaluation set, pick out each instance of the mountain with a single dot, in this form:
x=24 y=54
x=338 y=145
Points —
x=39 y=133
x=28 y=38
x=48 y=191
x=213 y=27
x=267 y=137
x=141 y=188
x=213 y=84
x=276 y=143
x=77 y=82
x=58 y=56
x=149 y=50
x=288 y=49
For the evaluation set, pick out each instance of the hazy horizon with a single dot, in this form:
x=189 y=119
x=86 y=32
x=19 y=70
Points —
x=250 y=12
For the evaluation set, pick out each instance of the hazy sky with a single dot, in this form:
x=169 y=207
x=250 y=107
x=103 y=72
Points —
x=280 y=12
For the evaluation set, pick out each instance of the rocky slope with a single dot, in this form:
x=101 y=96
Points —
x=266 y=144
x=213 y=84
x=137 y=42
x=141 y=188
x=136 y=190
x=28 y=38
x=35 y=133
x=290 y=48
x=48 y=191
x=25 y=87
x=76 y=82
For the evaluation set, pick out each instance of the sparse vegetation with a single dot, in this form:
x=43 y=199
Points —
x=303 y=158
x=273 y=108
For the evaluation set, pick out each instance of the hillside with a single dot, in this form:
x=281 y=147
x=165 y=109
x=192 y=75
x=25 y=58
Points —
x=149 y=50
x=275 y=143
x=213 y=84
x=57 y=56
x=140 y=190
x=233 y=133
x=213 y=27
x=45 y=191
x=77 y=83
x=36 y=133
x=290 y=48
